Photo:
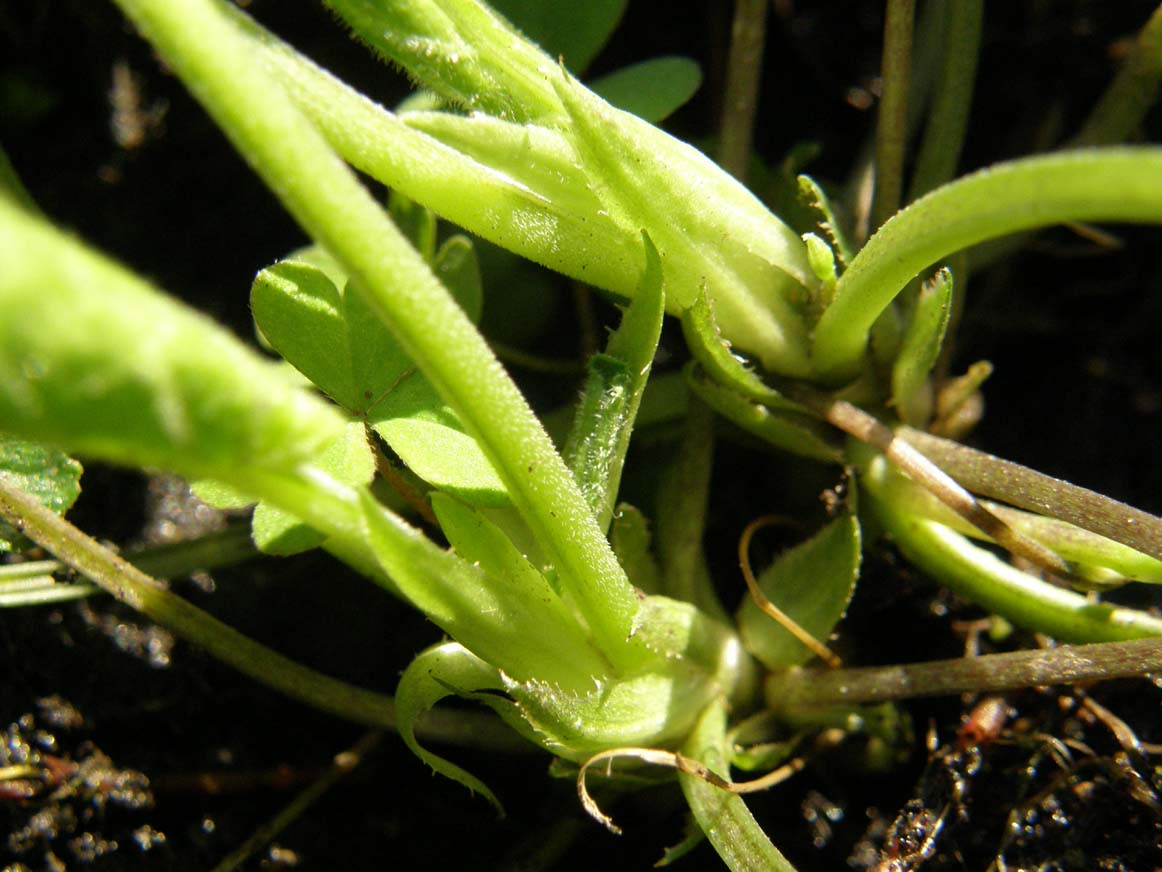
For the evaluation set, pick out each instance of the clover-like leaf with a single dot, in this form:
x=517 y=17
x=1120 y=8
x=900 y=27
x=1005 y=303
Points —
x=812 y=584
x=565 y=28
x=334 y=339
x=47 y=474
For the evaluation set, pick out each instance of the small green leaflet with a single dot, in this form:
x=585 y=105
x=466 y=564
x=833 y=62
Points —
x=653 y=89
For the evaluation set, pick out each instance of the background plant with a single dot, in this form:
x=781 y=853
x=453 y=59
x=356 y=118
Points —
x=636 y=272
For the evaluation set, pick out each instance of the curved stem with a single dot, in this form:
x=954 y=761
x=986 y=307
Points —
x=219 y=66
x=1114 y=184
x=984 y=578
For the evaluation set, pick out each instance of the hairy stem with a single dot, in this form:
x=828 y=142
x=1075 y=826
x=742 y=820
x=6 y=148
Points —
x=219 y=66
x=740 y=102
x=988 y=673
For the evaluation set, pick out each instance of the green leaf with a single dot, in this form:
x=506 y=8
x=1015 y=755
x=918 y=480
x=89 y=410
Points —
x=565 y=28
x=339 y=344
x=417 y=223
x=812 y=584
x=46 y=474
x=923 y=337
x=652 y=90
x=442 y=671
x=348 y=459
x=798 y=433
x=96 y=360
x=599 y=439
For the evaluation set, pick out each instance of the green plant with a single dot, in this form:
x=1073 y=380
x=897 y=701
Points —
x=544 y=589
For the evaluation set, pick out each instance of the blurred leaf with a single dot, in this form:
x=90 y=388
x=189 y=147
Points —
x=629 y=534
x=96 y=360
x=565 y=28
x=812 y=583
x=348 y=460
x=652 y=90
x=46 y=474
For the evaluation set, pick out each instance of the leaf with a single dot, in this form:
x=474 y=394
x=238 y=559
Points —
x=565 y=28
x=97 y=361
x=652 y=90
x=348 y=460
x=923 y=337
x=812 y=193
x=46 y=474
x=341 y=345
x=417 y=223
x=812 y=583
x=599 y=439
x=456 y=266
x=798 y=433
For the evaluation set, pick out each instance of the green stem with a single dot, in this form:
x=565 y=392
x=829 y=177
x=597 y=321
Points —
x=892 y=121
x=131 y=586
x=984 y=578
x=1115 y=184
x=740 y=102
x=219 y=66
x=990 y=673
x=32 y=583
x=948 y=118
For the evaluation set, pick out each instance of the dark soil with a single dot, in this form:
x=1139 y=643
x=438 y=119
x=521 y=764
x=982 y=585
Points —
x=168 y=760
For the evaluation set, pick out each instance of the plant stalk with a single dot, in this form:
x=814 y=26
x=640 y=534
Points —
x=740 y=102
x=988 y=673
x=892 y=121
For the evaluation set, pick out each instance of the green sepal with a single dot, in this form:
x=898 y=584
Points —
x=710 y=231
x=629 y=534
x=816 y=199
x=441 y=671
x=499 y=606
x=652 y=90
x=790 y=431
x=46 y=474
x=348 y=459
x=693 y=660
x=713 y=354
x=923 y=338
x=599 y=438
x=96 y=360
x=812 y=584
x=339 y=344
